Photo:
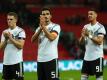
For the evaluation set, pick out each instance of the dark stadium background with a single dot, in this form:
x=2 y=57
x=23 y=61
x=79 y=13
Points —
x=70 y=14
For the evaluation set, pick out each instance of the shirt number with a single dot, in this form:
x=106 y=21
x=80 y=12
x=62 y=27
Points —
x=53 y=75
x=17 y=73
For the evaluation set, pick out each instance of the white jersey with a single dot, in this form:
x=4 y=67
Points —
x=13 y=55
x=47 y=50
x=94 y=51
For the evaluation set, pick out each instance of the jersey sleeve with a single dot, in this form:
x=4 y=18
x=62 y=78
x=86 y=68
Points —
x=22 y=35
x=56 y=29
x=102 y=31
x=2 y=37
x=37 y=29
x=85 y=26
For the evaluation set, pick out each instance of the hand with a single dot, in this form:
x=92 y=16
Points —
x=42 y=21
x=83 y=33
x=7 y=35
x=87 y=32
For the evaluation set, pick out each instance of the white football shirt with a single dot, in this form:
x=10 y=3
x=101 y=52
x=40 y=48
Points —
x=47 y=50
x=13 y=55
x=93 y=50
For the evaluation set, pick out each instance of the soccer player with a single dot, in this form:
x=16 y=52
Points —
x=12 y=42
x=93 y=36
x=47 y=34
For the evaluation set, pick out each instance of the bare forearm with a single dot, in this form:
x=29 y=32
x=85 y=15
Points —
x=35 y=36
x=50 y=36
x=3 y=44
x=18 y=43
x=97 y=40
x=81 y=40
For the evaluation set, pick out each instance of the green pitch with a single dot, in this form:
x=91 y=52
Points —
x=64 y=75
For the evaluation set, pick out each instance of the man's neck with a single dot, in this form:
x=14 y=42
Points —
x=93 y=22
x=12 y=27
x=47 y=23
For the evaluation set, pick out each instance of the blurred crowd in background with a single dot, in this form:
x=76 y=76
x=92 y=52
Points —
x=21 y=7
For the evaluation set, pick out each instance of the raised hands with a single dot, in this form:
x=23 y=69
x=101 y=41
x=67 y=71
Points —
x=7 y=35
x=42 y=21
x=85 y=32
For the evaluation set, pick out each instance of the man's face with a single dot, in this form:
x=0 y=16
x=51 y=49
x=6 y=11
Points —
x=92 y=15
x=47 y=15
x=11 y=20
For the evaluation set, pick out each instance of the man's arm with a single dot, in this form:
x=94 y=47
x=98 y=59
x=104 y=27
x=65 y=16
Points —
x=35 y=36
x=97 y=39
x=82 y=38
x=4 y=40
x=3 y=44
x=18 y=43
x=50 y=35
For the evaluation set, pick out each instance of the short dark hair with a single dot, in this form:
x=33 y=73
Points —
x=13 y=14
x=44 y=9
x=93 y=9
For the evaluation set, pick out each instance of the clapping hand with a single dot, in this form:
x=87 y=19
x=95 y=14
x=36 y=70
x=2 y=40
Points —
x=7 y=35
x=42 y=21
x=87 y=32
